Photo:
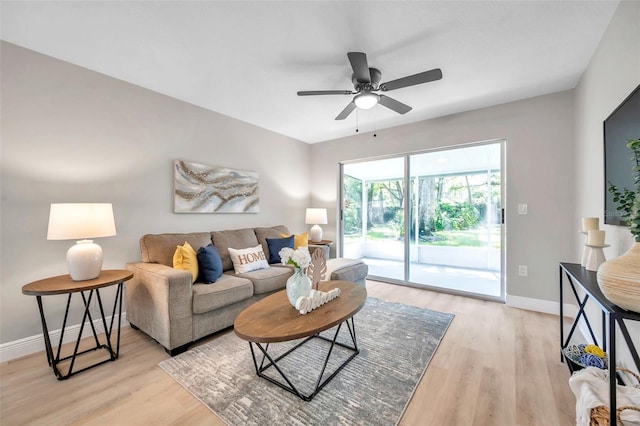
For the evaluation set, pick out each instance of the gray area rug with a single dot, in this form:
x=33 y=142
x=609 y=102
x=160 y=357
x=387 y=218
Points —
x=396 y=343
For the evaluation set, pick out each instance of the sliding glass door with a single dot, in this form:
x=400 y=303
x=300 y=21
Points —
x=450 y=203
x=373 y=215
x=456 y=219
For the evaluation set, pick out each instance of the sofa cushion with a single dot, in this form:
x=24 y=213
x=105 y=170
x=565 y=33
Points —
x=272 y=232
x=266 y=280
x=235 y=238
x=277 y=244
x=299 y=240
x=228 y=289
x=249 y=259
x=209 y=264
x=185 y=258
x=159 y=248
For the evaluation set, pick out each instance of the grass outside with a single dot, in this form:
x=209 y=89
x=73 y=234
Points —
x=467 y=238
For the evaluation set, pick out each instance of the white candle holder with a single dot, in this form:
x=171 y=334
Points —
x=585 y=250
x=595 y=257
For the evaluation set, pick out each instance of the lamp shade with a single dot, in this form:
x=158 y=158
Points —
x=77 y=221
x=80 y=221
x=316 y=216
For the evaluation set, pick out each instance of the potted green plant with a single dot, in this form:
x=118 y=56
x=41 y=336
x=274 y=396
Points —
x=629 y=201
x=619 y=278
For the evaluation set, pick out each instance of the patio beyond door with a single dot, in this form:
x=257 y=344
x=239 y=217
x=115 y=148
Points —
x=450 y=203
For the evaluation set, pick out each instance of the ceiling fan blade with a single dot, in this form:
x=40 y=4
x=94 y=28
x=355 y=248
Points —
x=345 y=112
x=394 y=105
x=412 y=80
x=325 y=92
x=360 y=66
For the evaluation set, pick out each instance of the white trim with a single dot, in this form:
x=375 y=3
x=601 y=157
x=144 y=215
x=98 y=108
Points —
x=538 y=305
x=29 y=345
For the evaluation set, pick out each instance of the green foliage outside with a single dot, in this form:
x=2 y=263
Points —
x=458 y=216
x=352 y=209
x=451 y=209
x=629 y=201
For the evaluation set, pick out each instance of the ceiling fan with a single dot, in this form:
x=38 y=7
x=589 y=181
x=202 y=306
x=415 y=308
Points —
x=365 y=82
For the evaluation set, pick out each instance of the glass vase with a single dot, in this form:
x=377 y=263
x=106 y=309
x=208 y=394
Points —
x=298 y=285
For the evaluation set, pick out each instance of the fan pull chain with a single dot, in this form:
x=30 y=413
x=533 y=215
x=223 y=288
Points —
x=375 y=120
x=357 y=116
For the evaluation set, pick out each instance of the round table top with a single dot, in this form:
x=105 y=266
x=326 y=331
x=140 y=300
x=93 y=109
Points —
x=273 y=319
x=63 y=284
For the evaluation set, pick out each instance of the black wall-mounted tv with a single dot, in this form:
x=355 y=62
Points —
x=621 y=125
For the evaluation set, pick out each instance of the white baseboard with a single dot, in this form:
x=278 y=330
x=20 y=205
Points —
x=33 y=344
x=543 y=306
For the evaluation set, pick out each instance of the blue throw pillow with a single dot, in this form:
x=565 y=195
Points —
x=209 y=264
x=277 y=244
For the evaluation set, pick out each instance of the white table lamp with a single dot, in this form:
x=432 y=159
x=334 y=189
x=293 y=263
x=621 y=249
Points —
x=316 y=217
x=80 y=221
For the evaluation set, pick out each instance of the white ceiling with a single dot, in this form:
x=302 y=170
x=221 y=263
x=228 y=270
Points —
x=247 y=59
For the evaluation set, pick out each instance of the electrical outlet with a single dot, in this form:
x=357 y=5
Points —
x=522 y=270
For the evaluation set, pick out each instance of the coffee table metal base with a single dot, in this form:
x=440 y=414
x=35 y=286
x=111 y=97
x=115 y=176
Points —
x=287 y=384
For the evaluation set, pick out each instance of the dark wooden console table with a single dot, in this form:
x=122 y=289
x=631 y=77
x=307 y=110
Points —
x=612 y=315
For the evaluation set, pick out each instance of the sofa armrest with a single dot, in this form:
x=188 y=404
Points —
x=159 y=302
x=347 y=270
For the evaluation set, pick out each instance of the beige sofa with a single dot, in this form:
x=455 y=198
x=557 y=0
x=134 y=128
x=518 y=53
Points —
x=163 y=303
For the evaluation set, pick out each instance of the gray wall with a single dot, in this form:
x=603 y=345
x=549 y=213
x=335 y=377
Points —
x=73 y=135
x=612 y=74
x=539 y=172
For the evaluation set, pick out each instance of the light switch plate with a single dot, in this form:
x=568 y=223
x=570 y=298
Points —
x=522 y=208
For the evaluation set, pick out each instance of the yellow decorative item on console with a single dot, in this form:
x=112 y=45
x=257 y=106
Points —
x=185 y=258
x=299 y=240
x=594 y=350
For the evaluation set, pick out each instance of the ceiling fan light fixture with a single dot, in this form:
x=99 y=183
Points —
x=366 y=100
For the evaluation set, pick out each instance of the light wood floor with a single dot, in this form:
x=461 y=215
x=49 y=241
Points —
x=495 y=366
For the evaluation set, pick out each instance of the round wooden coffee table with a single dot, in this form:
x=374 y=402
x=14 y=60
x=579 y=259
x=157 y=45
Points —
x=274 y=320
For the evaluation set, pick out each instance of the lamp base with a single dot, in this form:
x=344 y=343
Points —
x=84 y=260
x=315 y=234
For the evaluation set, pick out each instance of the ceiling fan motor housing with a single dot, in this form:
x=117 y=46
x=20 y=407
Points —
x=375 y=77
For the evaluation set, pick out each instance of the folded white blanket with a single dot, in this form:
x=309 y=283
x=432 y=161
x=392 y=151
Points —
x=591 y=388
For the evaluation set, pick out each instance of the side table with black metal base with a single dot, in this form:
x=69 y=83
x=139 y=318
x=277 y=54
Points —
x=324 y=245
x=63 y=284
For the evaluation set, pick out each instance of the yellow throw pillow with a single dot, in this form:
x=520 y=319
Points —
x=299 y=240
x=185 y=258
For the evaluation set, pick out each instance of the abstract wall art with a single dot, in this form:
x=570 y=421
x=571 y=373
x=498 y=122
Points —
x=201 y=188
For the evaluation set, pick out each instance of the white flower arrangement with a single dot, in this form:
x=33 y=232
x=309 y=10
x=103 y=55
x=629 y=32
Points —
x=300 y=257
